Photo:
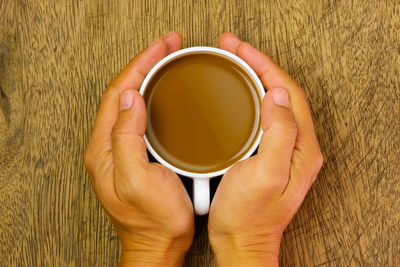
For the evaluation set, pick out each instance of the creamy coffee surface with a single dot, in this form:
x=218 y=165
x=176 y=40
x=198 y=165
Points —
x=201 y=112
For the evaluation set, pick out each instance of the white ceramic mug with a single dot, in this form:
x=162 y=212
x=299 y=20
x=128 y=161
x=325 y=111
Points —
x=201 y=181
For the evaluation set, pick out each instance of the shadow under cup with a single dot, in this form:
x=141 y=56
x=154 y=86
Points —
x=203 y=112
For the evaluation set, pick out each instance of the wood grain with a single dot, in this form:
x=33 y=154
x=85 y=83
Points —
x=56 y=58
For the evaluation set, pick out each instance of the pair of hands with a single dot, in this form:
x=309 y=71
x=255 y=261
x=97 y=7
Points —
x=256 y=198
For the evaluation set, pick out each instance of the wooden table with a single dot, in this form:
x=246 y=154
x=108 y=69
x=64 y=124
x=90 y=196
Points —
x=56 y=58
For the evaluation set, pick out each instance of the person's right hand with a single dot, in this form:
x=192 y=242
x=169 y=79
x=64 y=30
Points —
x=257 y=197
x=146 y=202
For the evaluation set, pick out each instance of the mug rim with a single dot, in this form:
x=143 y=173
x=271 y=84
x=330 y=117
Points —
x=232 y=57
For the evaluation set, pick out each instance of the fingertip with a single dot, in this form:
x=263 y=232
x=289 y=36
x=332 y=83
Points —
x=246 y=47
x=125 y=100
x=266 y=103
x=280 y=97
x=249 y=52
x=132 y=111
x=276 y=106
x=128 y=146
x=173 y=41
x=156 y=50
x=139 y=101
x=276 y=97
x=270 y=73
x=128 y=99
x=149 y=57
x=228 y=35
x=280 y=131
x=229 y=42
x=139 y=110
x=135 y=93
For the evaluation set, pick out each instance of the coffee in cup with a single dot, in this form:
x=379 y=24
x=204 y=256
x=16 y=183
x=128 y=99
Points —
x=203 y=114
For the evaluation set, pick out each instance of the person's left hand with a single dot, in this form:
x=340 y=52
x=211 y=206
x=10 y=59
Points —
x=147 y=203
x=261 y=194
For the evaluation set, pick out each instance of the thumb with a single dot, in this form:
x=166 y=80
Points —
x=128 y=146
x=279 y=137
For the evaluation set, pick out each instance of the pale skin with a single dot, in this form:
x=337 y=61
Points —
x=256 y=199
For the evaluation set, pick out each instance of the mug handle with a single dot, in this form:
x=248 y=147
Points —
x=201 y=195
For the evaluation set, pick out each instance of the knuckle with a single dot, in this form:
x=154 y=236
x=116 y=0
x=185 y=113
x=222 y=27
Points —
x=313 y=178
x=285 y=128
x=112 y=88
x=300 y=91
x=293 y=201
x=316 y=159
x=319 y=160
x=112 y=84
x=90 y=161
x=182 y=226
x=88 y=158
x=316 y=165
x=118 y=132
x=271 y=182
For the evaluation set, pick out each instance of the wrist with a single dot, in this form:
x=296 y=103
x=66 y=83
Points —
x=151 y=258
x=245 y=250
x=142 y=250
x=238 y=258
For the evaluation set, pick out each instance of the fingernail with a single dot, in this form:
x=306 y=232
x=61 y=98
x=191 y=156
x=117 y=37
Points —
x=125 y=100
x=280 y=97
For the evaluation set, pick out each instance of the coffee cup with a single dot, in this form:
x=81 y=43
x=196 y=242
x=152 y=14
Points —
x=201 y=179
